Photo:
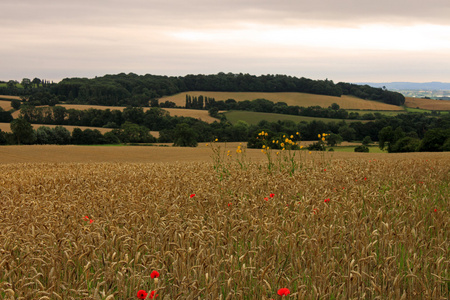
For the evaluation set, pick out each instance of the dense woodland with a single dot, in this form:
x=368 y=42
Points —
x=138 y=90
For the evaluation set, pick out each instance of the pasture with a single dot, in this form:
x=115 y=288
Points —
x=300 y=99
x=254 y=118
x=95 y=222
x=428 y=104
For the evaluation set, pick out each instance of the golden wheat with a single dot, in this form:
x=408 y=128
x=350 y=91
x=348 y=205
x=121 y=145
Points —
x=383 y=233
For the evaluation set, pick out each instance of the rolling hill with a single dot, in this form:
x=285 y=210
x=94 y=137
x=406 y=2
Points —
x=429 y=104
x=292 y=99
x=253 y=118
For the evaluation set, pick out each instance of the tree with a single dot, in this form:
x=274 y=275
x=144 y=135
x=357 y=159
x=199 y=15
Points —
x=335 y=106
x=36 y=81
x=366 y=141
x=386 y=138
x=434 y=140
x=334 y=139
x=184 y=136
x=26 y=83
x=16 y=104
x=23 y=131
x=347 y=133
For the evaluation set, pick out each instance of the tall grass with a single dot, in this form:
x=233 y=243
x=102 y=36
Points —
x=383 y=234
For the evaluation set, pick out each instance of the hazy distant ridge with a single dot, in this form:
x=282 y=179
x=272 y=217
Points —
x=410 y=85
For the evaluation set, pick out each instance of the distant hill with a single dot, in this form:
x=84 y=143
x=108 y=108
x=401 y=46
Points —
x=409 y=85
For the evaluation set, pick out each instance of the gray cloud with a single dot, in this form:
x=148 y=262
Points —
x=56 y=39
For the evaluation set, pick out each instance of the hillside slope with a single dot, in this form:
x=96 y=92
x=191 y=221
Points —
x=292 y=99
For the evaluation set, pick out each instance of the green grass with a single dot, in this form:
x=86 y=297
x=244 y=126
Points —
x=421 y=110
x=417 y=110
x=254 y=118
x=372 y=149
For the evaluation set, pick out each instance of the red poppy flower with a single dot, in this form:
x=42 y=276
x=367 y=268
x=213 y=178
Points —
x=326 y=200
x=154 y=274
x=152 y=295
x=229 y=204
x=90 y=221
x=271 y=195
x=86 y=218
x=435 y=210
x=192 y=196
x=141 y=294
x=265 y=198
x=324 y=170
x=284 y=292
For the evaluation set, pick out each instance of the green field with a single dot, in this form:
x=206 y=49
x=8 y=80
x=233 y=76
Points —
x=372 y=149
x=383 y=112
x=254 y=118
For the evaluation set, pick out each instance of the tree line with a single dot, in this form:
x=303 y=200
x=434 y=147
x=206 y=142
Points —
x=403 y=133
x=139 y=90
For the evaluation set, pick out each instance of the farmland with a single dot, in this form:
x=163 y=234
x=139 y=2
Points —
x=254 y=118
x=292 y=99
x=5 y=104
x=94 y=222
x=427 y=103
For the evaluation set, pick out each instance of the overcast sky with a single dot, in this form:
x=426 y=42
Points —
x=342 y=40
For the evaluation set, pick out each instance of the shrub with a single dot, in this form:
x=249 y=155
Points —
x=362 y=148
x=318 y=146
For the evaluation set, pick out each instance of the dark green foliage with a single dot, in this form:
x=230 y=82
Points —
x=347 y=133
x=334 y=139
x=134 y=133
x=434 y=140
x=361 y=148
x=87 y=137
x=16 y=104
x=23 y=131
x=367 y=140
x=139 y=90
x=3 y=140
x=446 y=146
x=5 y=116
x=371 y=93
x=184 y=136
x=406 y=144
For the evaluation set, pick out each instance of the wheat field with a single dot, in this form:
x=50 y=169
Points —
x=427 y=103
x=344 y=226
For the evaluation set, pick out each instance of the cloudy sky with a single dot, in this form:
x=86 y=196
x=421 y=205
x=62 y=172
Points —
x=342 y=40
